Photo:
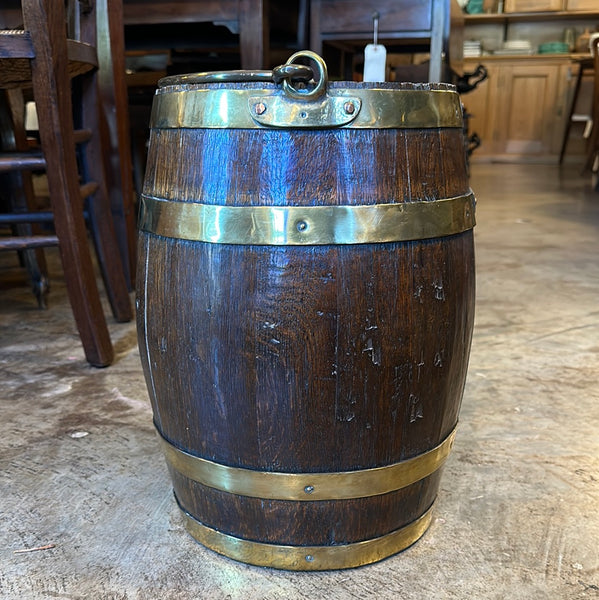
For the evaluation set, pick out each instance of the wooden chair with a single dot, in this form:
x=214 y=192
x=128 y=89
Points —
x=592 y=161
x=42 y=59
x=585 y=68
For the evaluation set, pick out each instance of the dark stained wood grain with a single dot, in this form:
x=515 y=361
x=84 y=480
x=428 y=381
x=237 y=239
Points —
x=306 y=359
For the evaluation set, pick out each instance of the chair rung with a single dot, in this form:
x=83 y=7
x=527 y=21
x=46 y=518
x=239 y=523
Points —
x=82 y=135
x=88 y=189
x=16 y=161
x=26 y=242
x=27 y=217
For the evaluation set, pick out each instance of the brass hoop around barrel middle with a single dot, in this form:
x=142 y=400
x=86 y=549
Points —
x=309 y=558
x=307 y=225
x=308 y=486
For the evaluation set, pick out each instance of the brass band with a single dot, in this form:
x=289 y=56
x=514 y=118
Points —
x=307 y=225
x=307 y=486
x=234 y=108
x=308 y=558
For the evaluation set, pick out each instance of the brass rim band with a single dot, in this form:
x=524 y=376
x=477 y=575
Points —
x=307 y=225
x=308 y=486
x=200 y=107
x=308 y=558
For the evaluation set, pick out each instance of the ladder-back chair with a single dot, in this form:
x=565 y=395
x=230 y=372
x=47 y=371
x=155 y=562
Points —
x=61 y=74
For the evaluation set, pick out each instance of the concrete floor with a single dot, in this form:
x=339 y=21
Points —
x=517 y=514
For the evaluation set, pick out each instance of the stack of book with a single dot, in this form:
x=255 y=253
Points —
x=515 y=47
x=472 y=48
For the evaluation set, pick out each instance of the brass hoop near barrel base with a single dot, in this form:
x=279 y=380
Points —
x=307 y=225
x=308 y=558
x=308 y=487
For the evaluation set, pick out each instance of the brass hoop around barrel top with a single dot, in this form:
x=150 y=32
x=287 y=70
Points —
x=182 y=102
x=307 y=487
x=307 y=225
x=202 y=107
x=308 y=558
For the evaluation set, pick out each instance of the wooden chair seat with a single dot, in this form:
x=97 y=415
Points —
x=18 y=47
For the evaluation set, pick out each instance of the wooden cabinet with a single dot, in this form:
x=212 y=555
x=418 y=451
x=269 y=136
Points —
x=433 y=26
x=520 y=111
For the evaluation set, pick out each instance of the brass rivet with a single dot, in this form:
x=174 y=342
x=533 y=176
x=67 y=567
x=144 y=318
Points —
x=309 y=558
x=349 y=108
x=301 y=225
x=309 y=489
x=260 y=108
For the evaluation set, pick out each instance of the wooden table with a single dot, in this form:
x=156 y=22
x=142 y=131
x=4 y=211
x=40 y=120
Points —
x=248 y=17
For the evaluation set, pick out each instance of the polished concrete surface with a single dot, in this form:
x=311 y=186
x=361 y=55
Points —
x=518 y=511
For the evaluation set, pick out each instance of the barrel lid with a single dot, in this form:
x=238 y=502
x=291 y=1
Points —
x=289 y=97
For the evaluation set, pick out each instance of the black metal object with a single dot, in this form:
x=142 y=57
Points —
x=464 y=84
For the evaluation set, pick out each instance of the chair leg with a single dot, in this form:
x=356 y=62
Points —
x=101 y=222
x=54 y=107
x=76 y=259
x=116 y=129
x=562 y=151
x=40 y=285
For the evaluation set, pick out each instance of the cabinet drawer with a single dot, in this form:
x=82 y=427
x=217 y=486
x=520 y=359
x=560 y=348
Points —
x=534 y=5
x=582 y=5
x=355 y=16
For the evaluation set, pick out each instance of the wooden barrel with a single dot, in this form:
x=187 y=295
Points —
x=305 y=303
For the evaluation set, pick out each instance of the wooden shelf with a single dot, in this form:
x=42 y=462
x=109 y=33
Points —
x=504 y=18
x=490 y=58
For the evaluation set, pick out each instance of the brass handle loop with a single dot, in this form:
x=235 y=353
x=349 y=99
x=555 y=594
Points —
x=288 y=72
x=284 y=74
x=321 y=77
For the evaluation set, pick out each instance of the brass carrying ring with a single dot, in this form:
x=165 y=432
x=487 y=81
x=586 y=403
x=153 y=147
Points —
x=321 y=79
